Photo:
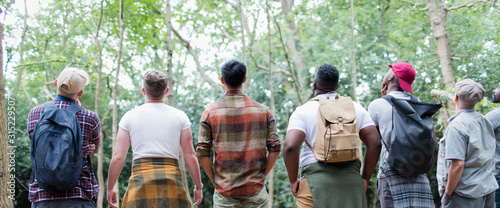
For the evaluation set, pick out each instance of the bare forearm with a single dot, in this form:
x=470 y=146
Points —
x=370 y=161
x=115 y=168
x=193 y=168
x=272 y=157
x=454 y=175
x=207 y=165
x=370 y=137
x=291 y=159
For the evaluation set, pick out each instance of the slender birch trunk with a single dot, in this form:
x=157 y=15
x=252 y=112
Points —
x=100 y=176
x=115 y=90
x=271 y=88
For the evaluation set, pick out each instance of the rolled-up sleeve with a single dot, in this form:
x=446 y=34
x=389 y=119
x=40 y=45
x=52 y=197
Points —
x=205 y=139
x=273 y=142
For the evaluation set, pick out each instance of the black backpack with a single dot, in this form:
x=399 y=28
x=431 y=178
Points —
x=411 y=151
x=56 y=148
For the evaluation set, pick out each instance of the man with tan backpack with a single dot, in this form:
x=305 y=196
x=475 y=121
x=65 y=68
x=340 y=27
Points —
x=332 y=128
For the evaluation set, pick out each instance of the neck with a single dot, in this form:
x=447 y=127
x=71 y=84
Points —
x=321 y=92
x=154 y=101
x=75 y=98
x=394 y=88
x=233 y=88
x=459 y=107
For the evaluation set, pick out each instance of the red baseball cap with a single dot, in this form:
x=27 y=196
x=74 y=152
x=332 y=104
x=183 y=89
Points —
x=406 y=75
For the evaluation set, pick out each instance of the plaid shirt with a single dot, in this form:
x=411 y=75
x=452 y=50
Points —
x=240 y=130
x=87 y=187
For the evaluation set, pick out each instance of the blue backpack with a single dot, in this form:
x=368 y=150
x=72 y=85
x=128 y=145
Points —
x=56 y=148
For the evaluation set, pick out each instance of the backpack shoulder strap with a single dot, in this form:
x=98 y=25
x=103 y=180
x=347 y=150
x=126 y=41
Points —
x=413 y=99
x=309 y=145
x=388 y=98
x=49 y=105
x=75 y=108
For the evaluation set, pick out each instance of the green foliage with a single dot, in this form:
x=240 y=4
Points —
x=63 y=32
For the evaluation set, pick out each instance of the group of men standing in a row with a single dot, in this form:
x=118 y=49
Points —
x=238 y=145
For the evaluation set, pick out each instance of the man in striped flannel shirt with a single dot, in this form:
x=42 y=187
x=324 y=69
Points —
x=70 y=84
x=240 y=130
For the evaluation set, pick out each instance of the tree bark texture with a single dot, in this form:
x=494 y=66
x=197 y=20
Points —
x=20 y=70
x=5 y=177
x=438 y=23
x=293 y=44
x=200 y=69
x=115 y=91
x=100 y=175
x=271 y=88
x=353 y=55
x=170 y=52
x=171 y=84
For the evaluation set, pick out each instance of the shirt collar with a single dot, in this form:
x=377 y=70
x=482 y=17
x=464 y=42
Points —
x=398 y=93
x=460 y=112
x=65 y=99
x=234 y=92
x=331 y=95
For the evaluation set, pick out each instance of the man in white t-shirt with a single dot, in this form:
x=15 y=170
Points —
x=156 y=131
x=335 y=184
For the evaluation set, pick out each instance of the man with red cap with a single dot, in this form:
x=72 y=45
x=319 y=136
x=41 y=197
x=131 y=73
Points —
x=70 y=84
x=393 y=189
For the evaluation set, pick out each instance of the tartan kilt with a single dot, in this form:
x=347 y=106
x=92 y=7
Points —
x=155 y=182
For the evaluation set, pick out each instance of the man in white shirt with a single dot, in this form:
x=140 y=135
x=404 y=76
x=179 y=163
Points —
x=334 y=184
x=156 y=131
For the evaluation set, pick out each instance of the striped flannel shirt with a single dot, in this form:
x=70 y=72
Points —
x=240 y=130
x=87 y=187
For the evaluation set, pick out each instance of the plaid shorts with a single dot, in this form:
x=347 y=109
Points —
x=155 y=182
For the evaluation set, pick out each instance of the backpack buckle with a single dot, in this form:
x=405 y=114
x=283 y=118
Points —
x=333 y=151
x=341 y=124
x=354 y=150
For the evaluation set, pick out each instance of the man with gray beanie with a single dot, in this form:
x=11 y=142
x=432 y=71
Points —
x=465 y=170
x=494 y=117
x=70 y=84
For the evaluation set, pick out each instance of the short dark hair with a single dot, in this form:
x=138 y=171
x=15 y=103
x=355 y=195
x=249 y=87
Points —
x=233 y=72
x=155 y=84
x=327 y=78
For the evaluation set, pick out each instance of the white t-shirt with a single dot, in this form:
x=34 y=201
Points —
x=155 y=130
x=305 y=118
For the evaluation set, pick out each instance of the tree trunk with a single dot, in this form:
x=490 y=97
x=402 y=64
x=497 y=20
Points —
x=382 y=20
x=353 y=55
x=20 y=70
x=244 y=46
x=244 y=50
x=438 y=23
x=296 y=84
x=171 y=84
x=271 y=88
x=100 y=175
x=170 y=53
x=115 y=91
x=200 y=69
x=293 y=44
x=5 y=175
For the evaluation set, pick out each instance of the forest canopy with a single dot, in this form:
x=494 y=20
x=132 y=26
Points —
x=281 y=42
